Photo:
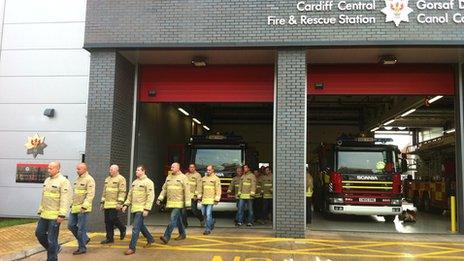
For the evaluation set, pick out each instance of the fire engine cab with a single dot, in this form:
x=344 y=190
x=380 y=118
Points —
x=360 y=176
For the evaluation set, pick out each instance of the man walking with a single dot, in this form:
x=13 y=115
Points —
x=114 y=194
x=246 y=192
x=84 y=192
x=140 y=199
x=209 y=195
x=233 y=188
x=176 y=191
x=54 y=205
x=194 y=179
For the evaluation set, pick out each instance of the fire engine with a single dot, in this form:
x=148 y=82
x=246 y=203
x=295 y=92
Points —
x=225 y=153
x=435 y=179
x=360 y=176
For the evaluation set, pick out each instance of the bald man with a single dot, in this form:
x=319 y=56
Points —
x=56 y=196
x=84 y=192
x=176 y=191
x=114 y=195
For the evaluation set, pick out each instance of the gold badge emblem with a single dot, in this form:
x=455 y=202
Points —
x=35 y=145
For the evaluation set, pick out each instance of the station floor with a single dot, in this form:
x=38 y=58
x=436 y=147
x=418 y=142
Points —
x=427 y=223
x=244 y=244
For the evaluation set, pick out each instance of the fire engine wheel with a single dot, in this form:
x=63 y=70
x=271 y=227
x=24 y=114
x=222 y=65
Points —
x=389 y=218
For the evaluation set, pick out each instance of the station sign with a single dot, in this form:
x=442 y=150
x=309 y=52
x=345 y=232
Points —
x=342 y=12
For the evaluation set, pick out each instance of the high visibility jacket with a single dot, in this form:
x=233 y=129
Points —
x=247 y=187
x=176 y=191
x=84 y=192
x=259 y=189
x=194 y=180
x=56 y=197
x=114 y=191
x=141 y=195
x=309 y=185
x=266 y=185
x=233 y=186
x=210 y=189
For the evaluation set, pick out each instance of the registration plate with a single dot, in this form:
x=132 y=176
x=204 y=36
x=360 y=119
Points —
x=366 y=199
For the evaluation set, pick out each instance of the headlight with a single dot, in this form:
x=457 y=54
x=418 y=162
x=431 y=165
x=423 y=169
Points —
x=337 y=200
x=396 y=201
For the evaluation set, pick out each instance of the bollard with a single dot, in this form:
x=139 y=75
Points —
x=453 y=214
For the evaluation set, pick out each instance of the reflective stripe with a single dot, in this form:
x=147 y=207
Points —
x=174 y=187
x=137 y=208
x=80 y=191
x=139 y=192
x=208 y=201
x=112 y=189
x=192 y=183
x=49 y=214
x=309 y=192
x=245 y=196
x=51 y=194
x=175 y=204
x=110 y=204
x=268 y=185
x=267 y=196
x=246 y=183
x=208 y=186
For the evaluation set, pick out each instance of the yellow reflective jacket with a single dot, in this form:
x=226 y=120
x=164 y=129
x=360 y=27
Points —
x=114 y=191
x=141 y=195
x=266 y=185
x=194 y=180
x=210 y=190
x=247 y=187
x=84 y=192
x=233 y=186
x=56 y=197
x=176 y=191
x=309 y=185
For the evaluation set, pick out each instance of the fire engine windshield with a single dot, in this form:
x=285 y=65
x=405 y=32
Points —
x=223 y=160
x=361 y=162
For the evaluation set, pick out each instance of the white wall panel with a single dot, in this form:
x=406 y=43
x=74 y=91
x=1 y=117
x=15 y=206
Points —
x=29 y=117
x=60 y=145
x=31 y=11
x=43 y=89
x=35 y=36
x=44 y=63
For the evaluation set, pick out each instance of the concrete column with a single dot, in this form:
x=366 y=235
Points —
x=459 y=115
x=109 y=122
x=290 y=142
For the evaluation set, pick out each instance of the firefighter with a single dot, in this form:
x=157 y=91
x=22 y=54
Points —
x=114 y=194
x=194 y=179
x=267 y=190
x=258 y=199
x=140 y=199
x=233 y=188
x=54 y=205
x=209 y=195
x=84 y=192
x=246 y=192
x=176 y=191
x=309 y=195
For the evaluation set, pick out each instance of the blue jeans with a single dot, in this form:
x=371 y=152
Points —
x=137 y=227
x=242 y=204
x=47 y=233
x=78 y=226
x=236 y=214
x=207 y=211
x=176 y=221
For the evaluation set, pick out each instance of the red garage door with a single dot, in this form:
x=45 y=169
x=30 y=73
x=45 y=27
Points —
x=248 y=83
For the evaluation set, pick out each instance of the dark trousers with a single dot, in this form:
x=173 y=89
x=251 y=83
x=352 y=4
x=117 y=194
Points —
x=196 y=212
x=258 y=208
x=309 y=211
x=47 y=233
x=111 y=221
x=137 y=227
x=267 y=208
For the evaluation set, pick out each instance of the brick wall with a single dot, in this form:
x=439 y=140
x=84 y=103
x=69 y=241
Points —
x=195 y=23
x=290 y=132
x=109 y=119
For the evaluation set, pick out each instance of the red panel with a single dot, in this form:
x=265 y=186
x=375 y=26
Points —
x=400 y=79
x=241 y=83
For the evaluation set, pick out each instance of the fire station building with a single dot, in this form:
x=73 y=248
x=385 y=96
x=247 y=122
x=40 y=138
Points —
x=286 y=75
